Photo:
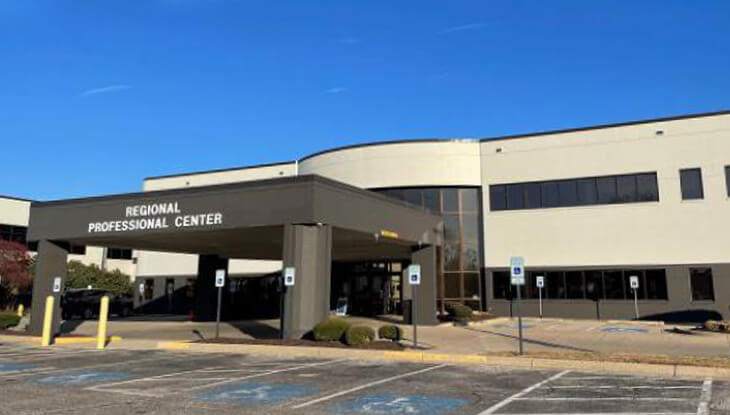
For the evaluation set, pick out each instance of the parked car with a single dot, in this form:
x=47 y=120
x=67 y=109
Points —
x=85 y=303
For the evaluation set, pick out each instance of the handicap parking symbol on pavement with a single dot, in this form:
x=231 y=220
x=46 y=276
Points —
x=81 y=378
x=614 y=329
x=15 y=367
x=255 y=393
x=395 y=404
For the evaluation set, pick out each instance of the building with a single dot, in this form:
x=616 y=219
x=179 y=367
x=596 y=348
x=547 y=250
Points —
x=587 y=208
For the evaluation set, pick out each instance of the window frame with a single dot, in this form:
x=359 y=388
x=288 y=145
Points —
x=682 y=183
x=691 y=285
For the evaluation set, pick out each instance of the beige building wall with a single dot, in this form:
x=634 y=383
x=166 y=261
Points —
x=14 y=211
x=412 y=164
x=219 y=177
x=671 y=231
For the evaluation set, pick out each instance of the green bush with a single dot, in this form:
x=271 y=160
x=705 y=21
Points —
x=390 y=332
x=459 y=312
x=359 y=335
x=8 y=320
x=714 y=325
x=330 y=330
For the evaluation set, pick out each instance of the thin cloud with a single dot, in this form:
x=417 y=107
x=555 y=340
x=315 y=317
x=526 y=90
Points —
x=462 y=28
x=350 y=40
x=335 y=90
x=105 y=90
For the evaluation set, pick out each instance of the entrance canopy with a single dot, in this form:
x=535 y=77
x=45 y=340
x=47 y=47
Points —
x=241 y=220
x=305 y=221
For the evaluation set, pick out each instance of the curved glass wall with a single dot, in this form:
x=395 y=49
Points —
x=461 y=260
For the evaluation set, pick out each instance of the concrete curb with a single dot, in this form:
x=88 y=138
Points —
x=645 y=369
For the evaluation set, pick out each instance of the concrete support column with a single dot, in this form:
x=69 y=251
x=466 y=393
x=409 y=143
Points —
x=309 y=250
x=425 y=313
x=206 y=293
x=50 y=263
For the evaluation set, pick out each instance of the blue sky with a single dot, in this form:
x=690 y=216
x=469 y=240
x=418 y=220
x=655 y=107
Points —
x=97 y=95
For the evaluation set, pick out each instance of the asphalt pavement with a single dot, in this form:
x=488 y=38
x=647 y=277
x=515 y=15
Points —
x=62 y=380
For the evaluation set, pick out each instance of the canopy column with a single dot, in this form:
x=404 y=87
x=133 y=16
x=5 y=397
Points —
x=307 y=248
x=425 y=312
x=206 y=293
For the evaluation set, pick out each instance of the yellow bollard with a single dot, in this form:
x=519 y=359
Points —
x=20 y=310
x=103 y=315
x=47 y=322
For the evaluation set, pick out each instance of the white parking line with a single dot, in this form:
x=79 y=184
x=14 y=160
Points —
x=616 y=398
x=622 y=387
x=270 y=372
x=367 y=385
x=101 y=387
x=613 y=413
x=122 y=363
x=704 y=407
x=492 y=409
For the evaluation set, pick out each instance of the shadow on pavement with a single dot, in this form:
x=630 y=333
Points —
x=535 y=342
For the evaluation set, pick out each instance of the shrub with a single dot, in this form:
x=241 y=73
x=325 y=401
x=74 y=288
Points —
x=8 y=320
x=714 y=325
x=330 y=330
x=390 y=332
x=458 y=312
x=359 y=335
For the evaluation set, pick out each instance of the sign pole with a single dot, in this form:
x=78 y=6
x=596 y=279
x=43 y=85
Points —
x=220 y=281
x=634 y=284
x=636 y=303
x=517 y=276
x=414 y=278
x=218 y=314
x=540 y=294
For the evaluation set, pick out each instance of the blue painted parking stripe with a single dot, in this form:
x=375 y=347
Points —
x=255 y=394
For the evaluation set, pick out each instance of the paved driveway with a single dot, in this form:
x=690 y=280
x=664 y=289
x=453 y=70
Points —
x=74 y=380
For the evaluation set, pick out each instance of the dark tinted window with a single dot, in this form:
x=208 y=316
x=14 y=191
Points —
x=702 y=285
x=587 y=193
x=613 y=283
x=501 y=285
x=656 y=284
x=498 y=197
x=413 y=196
x=515 y=196
x=568 y=192
x=647 y=188
x=451 y=200
x=594 y=285
x=606 y=189
x=690 y=181
x=550 y=195
x=626 y=188
x=532 y=196
x=555 y=283
x=574 y=284
x=432 y=200
x=727 y=179
x=469 y=200
x=118 y=253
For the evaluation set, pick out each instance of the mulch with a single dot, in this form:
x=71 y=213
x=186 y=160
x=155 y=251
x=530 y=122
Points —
x=376 y=345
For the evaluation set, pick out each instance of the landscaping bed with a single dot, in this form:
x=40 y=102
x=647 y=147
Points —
x=375 y=345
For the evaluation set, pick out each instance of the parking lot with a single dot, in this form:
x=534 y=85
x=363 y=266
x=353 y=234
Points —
x=76 y=380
